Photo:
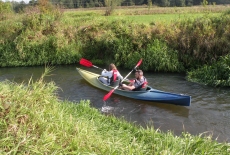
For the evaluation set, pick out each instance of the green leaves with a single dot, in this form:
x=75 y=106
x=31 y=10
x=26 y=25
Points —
x=217 y=74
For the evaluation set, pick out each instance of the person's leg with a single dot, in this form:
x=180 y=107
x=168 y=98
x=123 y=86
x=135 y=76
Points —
x=103 y=80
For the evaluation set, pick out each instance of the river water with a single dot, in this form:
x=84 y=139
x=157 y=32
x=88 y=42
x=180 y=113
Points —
x=209 y=113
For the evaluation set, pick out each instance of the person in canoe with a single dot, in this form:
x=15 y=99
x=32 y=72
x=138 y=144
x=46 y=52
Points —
x=111 y=77
x=138 y=84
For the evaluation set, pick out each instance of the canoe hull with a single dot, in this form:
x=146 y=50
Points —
x=149 y=95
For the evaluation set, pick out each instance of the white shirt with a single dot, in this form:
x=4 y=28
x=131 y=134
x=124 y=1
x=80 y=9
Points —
x=109 y=74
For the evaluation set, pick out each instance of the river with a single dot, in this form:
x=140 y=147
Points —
x=209 y=113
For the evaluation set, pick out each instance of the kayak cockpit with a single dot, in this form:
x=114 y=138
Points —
x=147 y=88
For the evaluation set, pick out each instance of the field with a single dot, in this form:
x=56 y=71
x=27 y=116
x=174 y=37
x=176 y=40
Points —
x=162 y=18
x=145 y=15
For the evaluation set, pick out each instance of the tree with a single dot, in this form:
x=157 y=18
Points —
x=111 y=5
x=205 y=3
x=150 y=4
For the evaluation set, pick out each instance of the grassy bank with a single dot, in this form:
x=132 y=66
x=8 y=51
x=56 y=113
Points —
x=34 y=121
x=171 y=41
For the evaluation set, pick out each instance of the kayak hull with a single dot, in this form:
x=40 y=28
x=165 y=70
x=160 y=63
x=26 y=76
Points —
x=150 y=94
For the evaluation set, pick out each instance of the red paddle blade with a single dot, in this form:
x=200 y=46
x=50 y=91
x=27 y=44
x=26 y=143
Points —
x=108 y=95
x=86 y=63
x=139 y=63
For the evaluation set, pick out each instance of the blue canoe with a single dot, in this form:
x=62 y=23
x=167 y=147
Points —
x=150 y=94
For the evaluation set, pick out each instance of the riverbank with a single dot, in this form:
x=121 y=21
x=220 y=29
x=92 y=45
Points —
x=46 y=35
x=34 y=121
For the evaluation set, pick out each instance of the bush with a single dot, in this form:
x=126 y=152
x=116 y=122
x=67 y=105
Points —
x=216 y=74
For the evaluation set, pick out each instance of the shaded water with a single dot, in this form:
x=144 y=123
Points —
x=209 y=112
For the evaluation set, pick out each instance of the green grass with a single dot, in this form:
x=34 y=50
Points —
x=95 y=16
x=34 y=121
x=159 y=18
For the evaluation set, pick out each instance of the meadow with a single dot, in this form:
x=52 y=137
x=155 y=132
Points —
x=145 y=15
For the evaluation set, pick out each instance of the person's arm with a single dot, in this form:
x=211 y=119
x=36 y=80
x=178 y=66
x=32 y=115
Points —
x=131 y=83
x=106 y=73
x=103 y=72
x=121 y=77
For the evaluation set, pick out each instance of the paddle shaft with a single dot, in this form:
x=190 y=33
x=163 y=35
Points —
x=125 y=77
x=97 y=67
x=110 y=93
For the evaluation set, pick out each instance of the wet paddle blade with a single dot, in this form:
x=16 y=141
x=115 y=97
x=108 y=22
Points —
x=108 y=95
x=86 y=63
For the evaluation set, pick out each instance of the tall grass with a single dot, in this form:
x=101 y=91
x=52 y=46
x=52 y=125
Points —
x=201 y=41
x=34 y=121
x=37 y=38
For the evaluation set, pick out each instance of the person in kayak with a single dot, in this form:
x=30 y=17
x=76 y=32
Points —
x=138 y=84
x=111 y=77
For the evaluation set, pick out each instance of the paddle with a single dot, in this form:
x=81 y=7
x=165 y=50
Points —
x=87 y=63
x=111 y=91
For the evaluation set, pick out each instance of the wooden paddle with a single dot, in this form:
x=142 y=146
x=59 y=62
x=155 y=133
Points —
x=87 y=63
x=111 y=91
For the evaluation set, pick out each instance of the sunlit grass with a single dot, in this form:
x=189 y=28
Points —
x=92 y=16
x=156 y=18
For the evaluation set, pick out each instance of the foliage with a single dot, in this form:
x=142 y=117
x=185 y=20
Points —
x=111 y=5
x=125 y=43
x=205 y=3
x=5 y=8
x=159 y=57
x=35 y=39
x=199 y=41
x=150 y=4
x=217 y=74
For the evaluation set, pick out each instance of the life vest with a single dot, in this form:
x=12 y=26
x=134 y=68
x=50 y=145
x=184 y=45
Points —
x=114 y=76
x=144 y=84
x=140 y=84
